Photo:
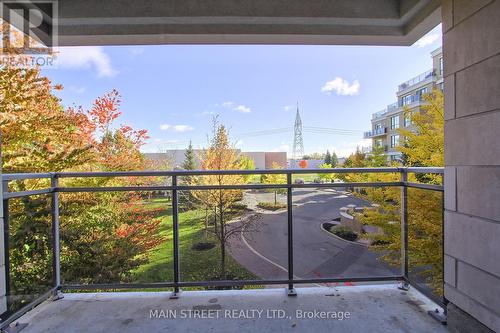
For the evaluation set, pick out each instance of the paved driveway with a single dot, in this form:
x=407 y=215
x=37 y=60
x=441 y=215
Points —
x=316 y=252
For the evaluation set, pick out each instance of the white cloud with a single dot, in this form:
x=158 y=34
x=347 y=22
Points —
x=427 y=40
x=236 y=107
x=182 y=128
x=228 y=104
x=341 y=87
x=84 y=57
x=242 y=109
x=288 y=107
x=176 y=128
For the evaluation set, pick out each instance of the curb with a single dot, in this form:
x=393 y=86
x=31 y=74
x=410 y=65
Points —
x=345 y=240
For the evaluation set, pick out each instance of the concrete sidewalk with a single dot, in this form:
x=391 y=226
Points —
x=367 y=308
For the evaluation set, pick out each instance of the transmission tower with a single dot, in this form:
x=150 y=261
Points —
x=298 y=143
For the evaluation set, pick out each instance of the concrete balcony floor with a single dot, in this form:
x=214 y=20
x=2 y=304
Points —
x=372 y=308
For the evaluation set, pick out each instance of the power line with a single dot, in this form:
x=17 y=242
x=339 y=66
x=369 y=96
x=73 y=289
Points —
x=266 y=132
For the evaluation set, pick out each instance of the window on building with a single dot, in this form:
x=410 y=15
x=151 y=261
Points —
x=378 y=143
x=394 y=141
x=394 y=122
x=421 y=92
x=441 y=86
x=441 y=66
x=406 y=100
x=407 y=120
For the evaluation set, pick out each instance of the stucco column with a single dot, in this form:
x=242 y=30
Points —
x=471 y=53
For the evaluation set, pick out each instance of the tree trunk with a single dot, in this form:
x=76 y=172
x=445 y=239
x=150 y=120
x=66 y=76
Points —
x=206 y=222
x=275 y=197
x=222 y=237
x=223 y=260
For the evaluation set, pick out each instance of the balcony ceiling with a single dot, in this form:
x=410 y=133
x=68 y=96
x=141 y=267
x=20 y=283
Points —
x=365 y=22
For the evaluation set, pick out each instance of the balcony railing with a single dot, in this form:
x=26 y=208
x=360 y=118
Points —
x=375 y=132
x=391 y=107
x=417 y=79
x=369 y=150
x=174 y=187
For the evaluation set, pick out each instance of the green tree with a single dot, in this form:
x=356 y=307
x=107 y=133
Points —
x=222 y=155
x=424 y=147
x=377 y=158
x=186 y=199
x=189 y=158
x=334 y=160
x=328 y=158
x=328 y=177
x=246 y=163
x=275 y=178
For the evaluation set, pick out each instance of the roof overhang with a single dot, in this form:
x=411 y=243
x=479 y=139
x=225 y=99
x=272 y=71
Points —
x=361 y=22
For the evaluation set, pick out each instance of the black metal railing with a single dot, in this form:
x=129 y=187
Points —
x=174 y=186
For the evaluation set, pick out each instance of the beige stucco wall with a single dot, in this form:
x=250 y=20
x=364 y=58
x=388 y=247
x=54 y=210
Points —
x=275 y=157
x=471 y=47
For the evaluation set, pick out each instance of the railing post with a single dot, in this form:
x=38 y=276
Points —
x=5 y=189
x=175 y=222
x=56 y=241
x=404 y=229
x=291 y=290
x=445 y=301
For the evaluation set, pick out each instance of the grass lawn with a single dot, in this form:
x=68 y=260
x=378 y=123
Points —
x=195 y=265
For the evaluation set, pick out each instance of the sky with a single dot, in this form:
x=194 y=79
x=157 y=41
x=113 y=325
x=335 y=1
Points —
x=174 y=91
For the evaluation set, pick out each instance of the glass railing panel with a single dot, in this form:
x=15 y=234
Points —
x=28 y=261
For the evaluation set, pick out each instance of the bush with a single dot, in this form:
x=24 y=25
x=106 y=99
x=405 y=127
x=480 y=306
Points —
x=202 y=246
x=344 y=233
x=238 y=206
x=271 y=205
x=380 y=242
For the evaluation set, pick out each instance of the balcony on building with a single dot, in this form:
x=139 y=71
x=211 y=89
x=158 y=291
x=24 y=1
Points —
x=375 y=132
x=419 y=80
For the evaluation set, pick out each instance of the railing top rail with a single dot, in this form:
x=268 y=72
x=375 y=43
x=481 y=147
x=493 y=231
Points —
x=416 y=79
x=20 y=176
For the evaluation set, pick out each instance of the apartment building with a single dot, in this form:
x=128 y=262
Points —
x=385 y=123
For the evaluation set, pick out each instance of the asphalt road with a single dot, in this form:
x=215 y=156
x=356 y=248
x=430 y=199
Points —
x=317 y=254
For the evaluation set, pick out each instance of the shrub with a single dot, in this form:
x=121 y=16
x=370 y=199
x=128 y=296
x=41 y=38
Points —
x=238 y=206
x=344 y=233
x=271 y=205
x=202 y=246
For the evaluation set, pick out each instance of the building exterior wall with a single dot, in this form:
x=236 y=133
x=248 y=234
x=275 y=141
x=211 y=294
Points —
x=258 y=157
x=174 y=158
x=471 y=45
x=409 y=94
x=275 y=157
